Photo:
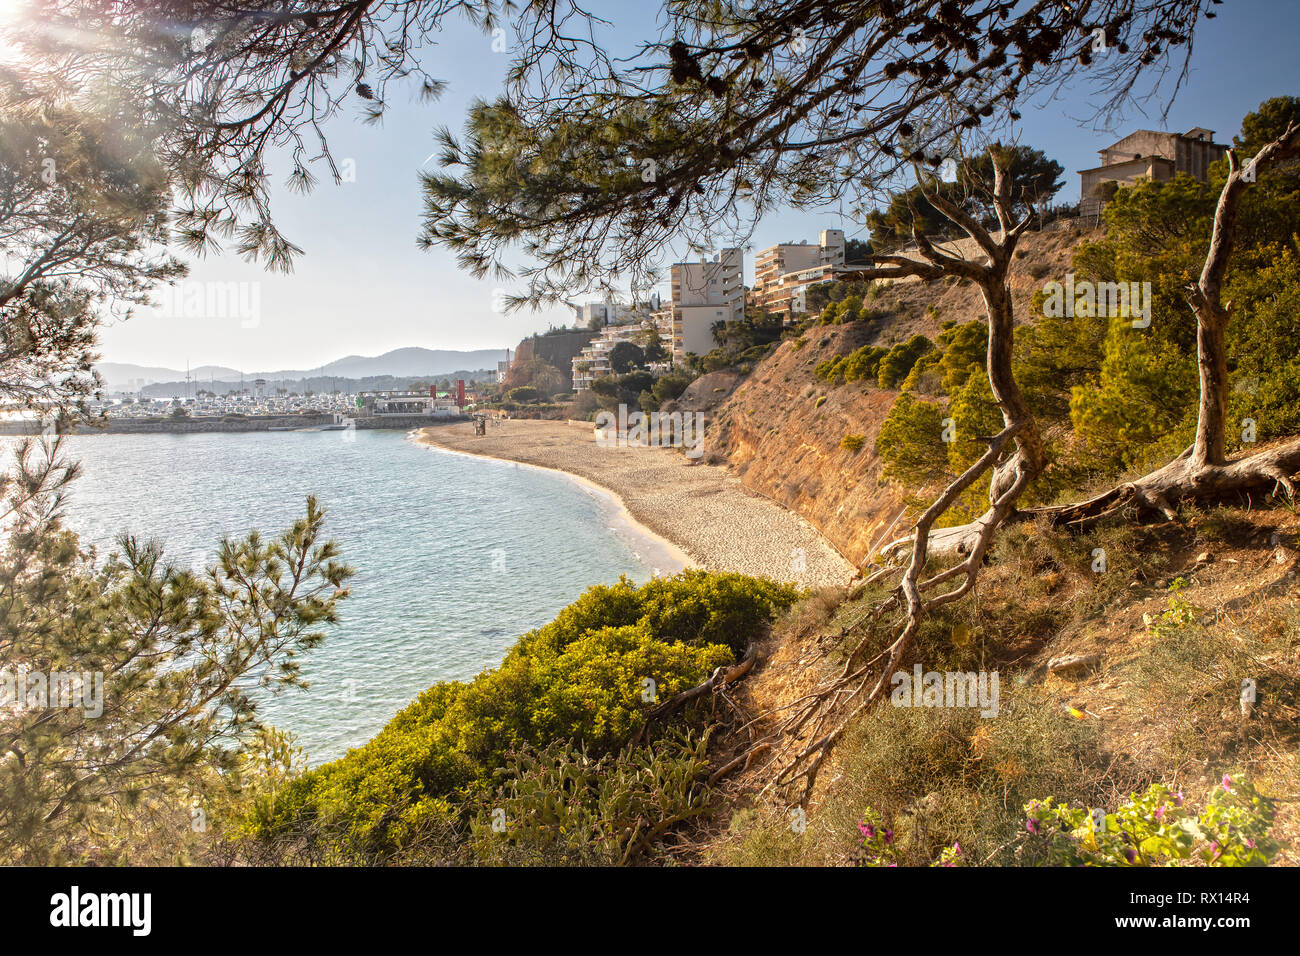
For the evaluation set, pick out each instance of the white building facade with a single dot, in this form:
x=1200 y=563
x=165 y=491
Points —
x=704 y=293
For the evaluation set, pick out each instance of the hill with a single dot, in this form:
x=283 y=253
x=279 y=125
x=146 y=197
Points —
x=780 y=428
x=399 y=363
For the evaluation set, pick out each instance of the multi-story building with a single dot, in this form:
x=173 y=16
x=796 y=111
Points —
x=704 y=293
x=1148 y=154
x=783 y=273
x=593 y=361
x=613 y=313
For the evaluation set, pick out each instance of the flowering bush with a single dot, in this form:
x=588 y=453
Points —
x=1159 y=829
x=879 y=848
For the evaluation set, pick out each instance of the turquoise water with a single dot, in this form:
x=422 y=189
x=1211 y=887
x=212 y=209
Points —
x=455 y=556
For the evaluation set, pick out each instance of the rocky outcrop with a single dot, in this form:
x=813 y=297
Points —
x=780 y=428
x=554 y=348
x=780 y=432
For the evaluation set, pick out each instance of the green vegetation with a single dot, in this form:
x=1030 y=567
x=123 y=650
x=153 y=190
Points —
x=749 y=340
x=907 y=442
x=910 y=783
x=1110 y=396
x=177 y=654
x=1129 y=394
x=899 y=360
x=559 y=805
x=884 y=367
x=1158 y=828
x=1035 y=179
x=524 y=395
x=579 y=683
x=625 y=356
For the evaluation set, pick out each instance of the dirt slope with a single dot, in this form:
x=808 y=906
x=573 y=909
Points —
x=771 y=430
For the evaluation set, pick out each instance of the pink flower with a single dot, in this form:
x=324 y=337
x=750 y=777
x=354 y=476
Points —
x=867 y=829
x=1178 y=798
x=957 y=847
x=1031 y=825
x=1227 y=783
x=1160 y=813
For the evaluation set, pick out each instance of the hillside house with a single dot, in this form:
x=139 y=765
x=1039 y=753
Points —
x=1147 y=154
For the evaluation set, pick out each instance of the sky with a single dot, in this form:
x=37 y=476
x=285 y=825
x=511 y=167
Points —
x=363 y=288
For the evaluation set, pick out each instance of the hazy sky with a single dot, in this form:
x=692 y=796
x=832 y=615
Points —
x=363 y=288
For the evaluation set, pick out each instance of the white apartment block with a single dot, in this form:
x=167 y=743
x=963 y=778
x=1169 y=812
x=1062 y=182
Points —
x=783 y=271
x=704 y=293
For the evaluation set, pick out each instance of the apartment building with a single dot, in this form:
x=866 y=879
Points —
x=606 y=313
x=703 y=293
x=1148 y=154
x=593 y=361
x=782 y=273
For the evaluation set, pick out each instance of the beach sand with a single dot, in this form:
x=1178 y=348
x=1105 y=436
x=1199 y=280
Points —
x=701 y=509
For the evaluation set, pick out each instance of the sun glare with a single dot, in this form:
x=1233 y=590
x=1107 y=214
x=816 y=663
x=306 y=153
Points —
x=10 y=13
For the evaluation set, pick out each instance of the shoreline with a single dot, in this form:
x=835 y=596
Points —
x=701 y=512
x=675 y=552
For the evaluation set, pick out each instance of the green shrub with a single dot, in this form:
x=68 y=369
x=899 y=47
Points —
x=911 y=443
x=524 y=395
x=559 y=805
x=853 y=443
x=579 y=679
x=935 y=777
x=899 y=360
x=1158 y=829
x=857 y=365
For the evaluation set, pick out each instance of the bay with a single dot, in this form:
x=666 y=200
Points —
x=456 y=556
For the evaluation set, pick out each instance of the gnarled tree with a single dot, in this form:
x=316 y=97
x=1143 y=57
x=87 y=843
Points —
x=1203 y=469
x=592 y=166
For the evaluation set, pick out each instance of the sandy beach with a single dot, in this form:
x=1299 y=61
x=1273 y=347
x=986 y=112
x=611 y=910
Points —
x=701 y=509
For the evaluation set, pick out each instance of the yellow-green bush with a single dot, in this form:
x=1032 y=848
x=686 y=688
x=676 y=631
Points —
x=579 y=680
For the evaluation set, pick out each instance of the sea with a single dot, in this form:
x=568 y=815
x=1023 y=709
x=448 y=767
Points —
x=456 y=556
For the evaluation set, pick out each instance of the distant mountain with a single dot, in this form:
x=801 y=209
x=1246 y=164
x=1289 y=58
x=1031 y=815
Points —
x=121 y=375
x=400 y=363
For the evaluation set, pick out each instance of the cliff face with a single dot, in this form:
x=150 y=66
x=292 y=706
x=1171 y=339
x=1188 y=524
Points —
x=557 y=349
x=783 y=444
x=783 y=441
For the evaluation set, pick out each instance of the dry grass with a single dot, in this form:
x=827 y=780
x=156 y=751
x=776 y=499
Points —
x=1179 y=616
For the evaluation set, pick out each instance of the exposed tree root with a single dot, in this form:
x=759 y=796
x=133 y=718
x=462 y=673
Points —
x=818 y=719
x=826 y=713
x=717 y=682
x=1180 y=480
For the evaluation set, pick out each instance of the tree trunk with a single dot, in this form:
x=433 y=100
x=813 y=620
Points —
x=1212 y=360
